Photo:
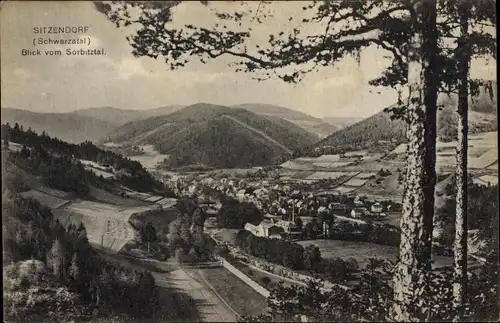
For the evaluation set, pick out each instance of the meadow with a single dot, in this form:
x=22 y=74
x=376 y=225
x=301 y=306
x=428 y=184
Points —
x=362 y=251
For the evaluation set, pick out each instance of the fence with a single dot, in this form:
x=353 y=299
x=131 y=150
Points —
x=235 y=271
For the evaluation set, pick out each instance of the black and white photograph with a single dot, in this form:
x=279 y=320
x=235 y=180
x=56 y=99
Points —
x=249 y=161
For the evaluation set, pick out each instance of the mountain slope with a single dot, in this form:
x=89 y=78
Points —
x=381 y=134
x=305 y=121
x=342 y=122
x=66 y=126
x=216 y=136
x=122 y=116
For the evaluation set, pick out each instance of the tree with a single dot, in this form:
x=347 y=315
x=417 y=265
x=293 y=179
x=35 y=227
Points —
x=406 y=29
x=312 y=257
x=74 y=269
x=298 y=222
x=460 y=249
x=199 y=240
x=57 y=257
x=148 y=234
x=465 y=14
x=199 y=217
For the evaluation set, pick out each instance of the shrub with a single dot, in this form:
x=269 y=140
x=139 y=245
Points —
x=180 y=255
x=265 y=281
x=222 y=250
x=192 y=256
x=351 y=264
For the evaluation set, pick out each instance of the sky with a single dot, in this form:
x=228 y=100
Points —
x=118 y=79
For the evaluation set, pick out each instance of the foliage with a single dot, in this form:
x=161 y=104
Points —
x=58 y=171
x=148 y=233
x=482 y=211
x=68 y=278
x=234 y=214
x=292 y=255
x=371 y=300
x=383 y=234
x=186 y=236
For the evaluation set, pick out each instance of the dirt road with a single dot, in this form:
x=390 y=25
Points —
x=202 y=300
x=194 y=300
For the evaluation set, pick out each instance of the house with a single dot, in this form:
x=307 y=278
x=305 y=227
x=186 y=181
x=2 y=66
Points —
x=338 y=208
x=286 y=225
x=322 y=209
x=358 y=202
x=271 y=229
x=265 y=229
x=211 y=212
x=376 y=208
x=253 y=229
x=241 y=193
x=272 y=217
x=192 y=189
x=358 y=212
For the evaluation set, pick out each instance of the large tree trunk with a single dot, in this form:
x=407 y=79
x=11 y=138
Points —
x=460 y=248
x=411 y=277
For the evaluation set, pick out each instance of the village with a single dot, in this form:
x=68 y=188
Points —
x=286 y=209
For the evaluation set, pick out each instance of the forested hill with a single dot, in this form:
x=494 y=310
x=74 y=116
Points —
x=122 y=116
x=303 y=120
x=217 y=136
x=380 y=133
x=58 y=162
x=69 y=127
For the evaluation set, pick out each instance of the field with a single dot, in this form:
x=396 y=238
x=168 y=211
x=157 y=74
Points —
x=484 y=180
x=325 y=175
x=399 y=149
x=332 y=165
x=344 y=190
x=494 y=166
x=387 y=186
x=44 y=198
x=365 y=175
x=258 y=276
x=239 y=296
x=356 y=182
x=150 y=158
x=106 y=224
x=110 y=198
x=291 y=164
x=328 y=158
x=227 y=235
x=15 y=146
x=97 y=169
x=362 y=251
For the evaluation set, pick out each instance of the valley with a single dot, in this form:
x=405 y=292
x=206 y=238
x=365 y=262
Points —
x=335 y=203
